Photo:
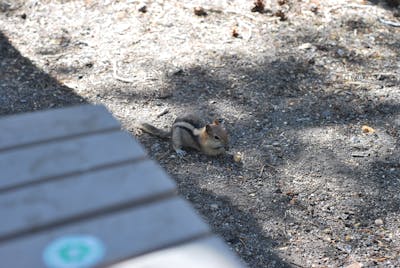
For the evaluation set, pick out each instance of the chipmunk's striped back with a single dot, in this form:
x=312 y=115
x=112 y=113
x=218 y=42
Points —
x=190 y=132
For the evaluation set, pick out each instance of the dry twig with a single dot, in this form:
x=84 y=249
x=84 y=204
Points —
x=163 y=113
x=261 y=171
x=388 y=22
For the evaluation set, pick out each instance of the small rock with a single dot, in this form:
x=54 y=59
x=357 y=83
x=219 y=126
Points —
x=235 y=32
x=214 y=206
x=327 y=231
x=340 y=52
x=281 y=14
x=305 y=46
x=143 y=9
x=311 y=61
x=259 y=6
x=379 y=222
x=327 y=238
x=367 y=129
x=199 y=11
x=360 y=154
x=178 y=72
x=347 y=248
x=237 y=157
x=314 y=8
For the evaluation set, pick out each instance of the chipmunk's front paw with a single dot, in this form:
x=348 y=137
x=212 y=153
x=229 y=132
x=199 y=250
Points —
x=180 y=152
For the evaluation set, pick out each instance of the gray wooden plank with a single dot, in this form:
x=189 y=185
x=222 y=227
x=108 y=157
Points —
x=22 y=129
x=33 y=163
x=208 y=252
x=41 y=205
x=125 y=234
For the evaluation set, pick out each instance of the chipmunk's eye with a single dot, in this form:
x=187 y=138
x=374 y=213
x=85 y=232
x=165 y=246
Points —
x=216 y=137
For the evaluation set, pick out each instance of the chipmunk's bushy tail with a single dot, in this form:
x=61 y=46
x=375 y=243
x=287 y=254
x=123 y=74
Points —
x=155 y=131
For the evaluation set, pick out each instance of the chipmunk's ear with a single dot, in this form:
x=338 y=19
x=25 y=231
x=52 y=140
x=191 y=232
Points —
x=218 y=121
x=209 y=129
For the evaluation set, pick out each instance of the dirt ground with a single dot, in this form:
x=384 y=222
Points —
x=309 y=91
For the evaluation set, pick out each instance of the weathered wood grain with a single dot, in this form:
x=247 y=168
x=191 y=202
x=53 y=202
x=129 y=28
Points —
x=57 y=201
x=125 y=234
x=23 y=129
x=57 y=158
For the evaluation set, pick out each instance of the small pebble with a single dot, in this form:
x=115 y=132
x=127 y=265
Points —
x=143 y=9
x=314 y=8
x=327 y=231
x=305 y=46
x=340 y=52
x=327 y=238
x=367 y=129
x=199 y=11
x=235 y=32
x=214 y=206
x=237 y=157
x=379 y=222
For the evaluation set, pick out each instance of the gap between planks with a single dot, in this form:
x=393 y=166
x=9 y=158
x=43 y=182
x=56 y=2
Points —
x=74 y=173
x=60 y=138
x=90 y=215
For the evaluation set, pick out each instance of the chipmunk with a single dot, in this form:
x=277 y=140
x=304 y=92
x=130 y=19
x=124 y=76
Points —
x=190 y=132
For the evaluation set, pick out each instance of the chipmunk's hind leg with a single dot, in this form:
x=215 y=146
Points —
x=177 y=142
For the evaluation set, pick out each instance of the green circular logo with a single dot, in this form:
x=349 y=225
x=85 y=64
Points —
x=78 y=251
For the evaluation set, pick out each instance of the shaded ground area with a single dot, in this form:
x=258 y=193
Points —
x=309 y=90
x=25 y=88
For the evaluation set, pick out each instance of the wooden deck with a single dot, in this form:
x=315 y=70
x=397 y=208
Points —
x=76 y=191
